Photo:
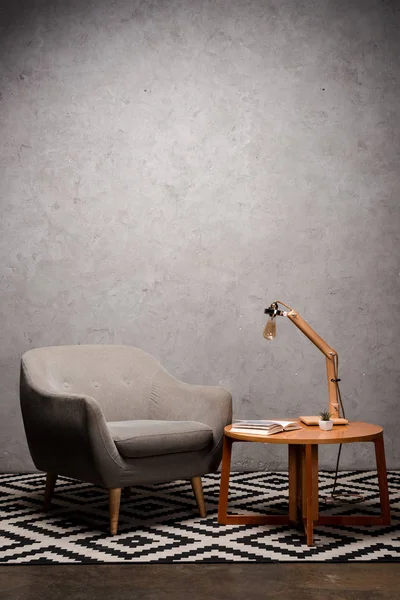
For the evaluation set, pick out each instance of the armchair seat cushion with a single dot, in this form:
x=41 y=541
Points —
x=139 y=439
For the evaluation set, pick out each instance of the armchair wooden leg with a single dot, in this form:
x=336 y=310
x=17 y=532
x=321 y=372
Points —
x=127 y=492
x=114 y=499
x=51 y=479
x=198 y=492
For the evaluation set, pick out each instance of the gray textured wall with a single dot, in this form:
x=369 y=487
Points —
x=168 y=168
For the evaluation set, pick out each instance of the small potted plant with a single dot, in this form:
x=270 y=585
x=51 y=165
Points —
x=325 y=422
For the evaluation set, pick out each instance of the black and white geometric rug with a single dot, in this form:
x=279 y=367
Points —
x=160 y=524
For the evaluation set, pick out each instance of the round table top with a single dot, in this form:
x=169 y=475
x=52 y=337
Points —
x=312 y=434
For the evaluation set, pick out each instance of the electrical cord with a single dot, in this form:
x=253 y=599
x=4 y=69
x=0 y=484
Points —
x=348 y=497
x=339 y=395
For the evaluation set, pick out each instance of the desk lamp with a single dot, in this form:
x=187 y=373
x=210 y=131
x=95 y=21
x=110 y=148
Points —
x=332 y=360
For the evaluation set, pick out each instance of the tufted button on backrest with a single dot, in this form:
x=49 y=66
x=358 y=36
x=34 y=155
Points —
x=118 y=377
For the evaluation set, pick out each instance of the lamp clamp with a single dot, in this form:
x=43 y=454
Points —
x=273 y=311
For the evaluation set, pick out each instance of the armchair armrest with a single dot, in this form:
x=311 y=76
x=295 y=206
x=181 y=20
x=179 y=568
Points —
x=174 y=400
x=67 y=434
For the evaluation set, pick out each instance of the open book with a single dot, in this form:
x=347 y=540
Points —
x=262 y=427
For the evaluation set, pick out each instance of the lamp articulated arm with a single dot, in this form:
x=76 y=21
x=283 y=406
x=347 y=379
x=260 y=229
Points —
x=330 y=354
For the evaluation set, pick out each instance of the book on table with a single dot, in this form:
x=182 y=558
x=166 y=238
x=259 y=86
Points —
x=263 y=427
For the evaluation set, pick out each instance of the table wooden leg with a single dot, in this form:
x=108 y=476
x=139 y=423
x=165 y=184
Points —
x=224 y=485
x=310 y=490
x=361 y=520
x=294 y=481
x=315 y=483
x=239 y=519
x=300 y=460
x=382 y=479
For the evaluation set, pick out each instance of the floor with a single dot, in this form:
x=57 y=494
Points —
x=195 y=582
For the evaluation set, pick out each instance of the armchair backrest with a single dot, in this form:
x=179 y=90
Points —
x=119 y=378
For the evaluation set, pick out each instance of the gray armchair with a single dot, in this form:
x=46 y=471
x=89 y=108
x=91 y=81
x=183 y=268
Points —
x=114 y=417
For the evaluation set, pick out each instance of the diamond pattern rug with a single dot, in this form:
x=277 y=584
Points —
x=160 y=524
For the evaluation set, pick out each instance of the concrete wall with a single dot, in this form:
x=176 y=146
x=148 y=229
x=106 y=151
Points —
x=168 y=168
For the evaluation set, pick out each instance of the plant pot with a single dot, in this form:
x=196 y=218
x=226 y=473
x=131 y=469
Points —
x=326 y=425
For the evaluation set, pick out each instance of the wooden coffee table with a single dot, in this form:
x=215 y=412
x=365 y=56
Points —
x=303 y=475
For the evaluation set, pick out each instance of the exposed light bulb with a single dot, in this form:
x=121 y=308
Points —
x=270 y=329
